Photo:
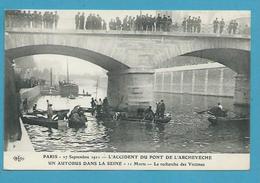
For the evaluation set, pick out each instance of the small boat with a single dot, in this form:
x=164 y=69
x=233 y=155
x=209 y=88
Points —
x=43 y=112
x=49 y=123
x=226 y=120
x=123 y=117
x=71 y=97
x=88 y=94
x=156 y=120
x=40 y=121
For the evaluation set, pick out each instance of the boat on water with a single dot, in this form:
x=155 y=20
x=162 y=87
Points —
x=227 y=120
x=125 y=118
x=40 y=121
x=68 y=88
x=50 y=123
x=71 y=97
x=156 y=120
x=44 y=112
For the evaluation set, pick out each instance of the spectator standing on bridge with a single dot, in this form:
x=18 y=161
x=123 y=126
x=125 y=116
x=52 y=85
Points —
x=230 y=27
x=77 y=20
x=198 y=25
x=112 y=24
x=81 y=21
x=164 y=23
x=124 y=25
x=29 y=19
x=169 y=23
x=34 y=16
x=56 y=19
x=104 y=25
x=118 y=23
x=221 y=26
x=158 y=22
x=44 y=19
x=215 y=25
x=184 y=25
x=189 y=24
x=51 y=20
x=235 y=26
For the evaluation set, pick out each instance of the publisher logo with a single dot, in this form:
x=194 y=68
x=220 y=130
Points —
x=18 y=158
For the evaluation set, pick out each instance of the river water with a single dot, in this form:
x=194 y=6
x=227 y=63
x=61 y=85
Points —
x=187 y=132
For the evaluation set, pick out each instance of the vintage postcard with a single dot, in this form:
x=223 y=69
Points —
x=127 y=89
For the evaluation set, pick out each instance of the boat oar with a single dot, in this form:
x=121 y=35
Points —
x=200 y=112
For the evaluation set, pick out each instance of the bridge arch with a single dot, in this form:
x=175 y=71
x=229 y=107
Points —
x=236 y=59
x=99 y=59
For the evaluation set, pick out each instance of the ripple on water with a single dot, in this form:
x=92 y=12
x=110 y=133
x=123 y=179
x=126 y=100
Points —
x=187 y=132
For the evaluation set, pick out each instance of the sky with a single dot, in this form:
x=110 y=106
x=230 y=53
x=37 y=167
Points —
x=59 y=65
x=77 y=66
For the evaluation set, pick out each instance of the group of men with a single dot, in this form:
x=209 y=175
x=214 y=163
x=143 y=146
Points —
x=219 y=26
x=142 y=23
x=35 y=19
x=90 y=22
x=99 y=106
x=191 y=24
x=159 y=113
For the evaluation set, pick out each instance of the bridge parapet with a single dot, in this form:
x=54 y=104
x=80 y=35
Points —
x=122 y=32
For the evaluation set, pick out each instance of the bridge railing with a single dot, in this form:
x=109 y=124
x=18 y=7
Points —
x=206 y=30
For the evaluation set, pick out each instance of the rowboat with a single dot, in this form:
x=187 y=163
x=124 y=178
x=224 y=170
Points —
x=126 y=118
x=50 y=123
x=156 y=120
x=40 y=121
x=226 y=120
x=43 y=112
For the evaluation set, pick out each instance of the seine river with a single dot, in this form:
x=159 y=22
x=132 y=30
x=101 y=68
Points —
x=186 y=132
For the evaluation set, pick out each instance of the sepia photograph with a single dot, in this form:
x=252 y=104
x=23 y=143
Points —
x=127 y=81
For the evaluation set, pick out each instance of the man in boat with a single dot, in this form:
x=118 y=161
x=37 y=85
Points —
x=220 y=106
x=99 y=106
x=161 y=109
x=105 y=105
x=157 y=108
x=93 y=106
x=149 y=114
x=25 y=105
x=35 y=108
x=217 y=111
x=50 y=111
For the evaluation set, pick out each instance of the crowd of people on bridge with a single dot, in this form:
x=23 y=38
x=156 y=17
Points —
x=129 y=23
x=50 y=19
x=90 y=22
x=219 y=26
x=35 y=19
x=191 y=24
x=142 y=23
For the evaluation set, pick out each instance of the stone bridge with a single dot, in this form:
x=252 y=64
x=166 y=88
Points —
x=131 y=57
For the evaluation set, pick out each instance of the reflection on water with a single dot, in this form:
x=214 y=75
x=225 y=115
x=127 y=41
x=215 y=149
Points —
x=187 y=132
